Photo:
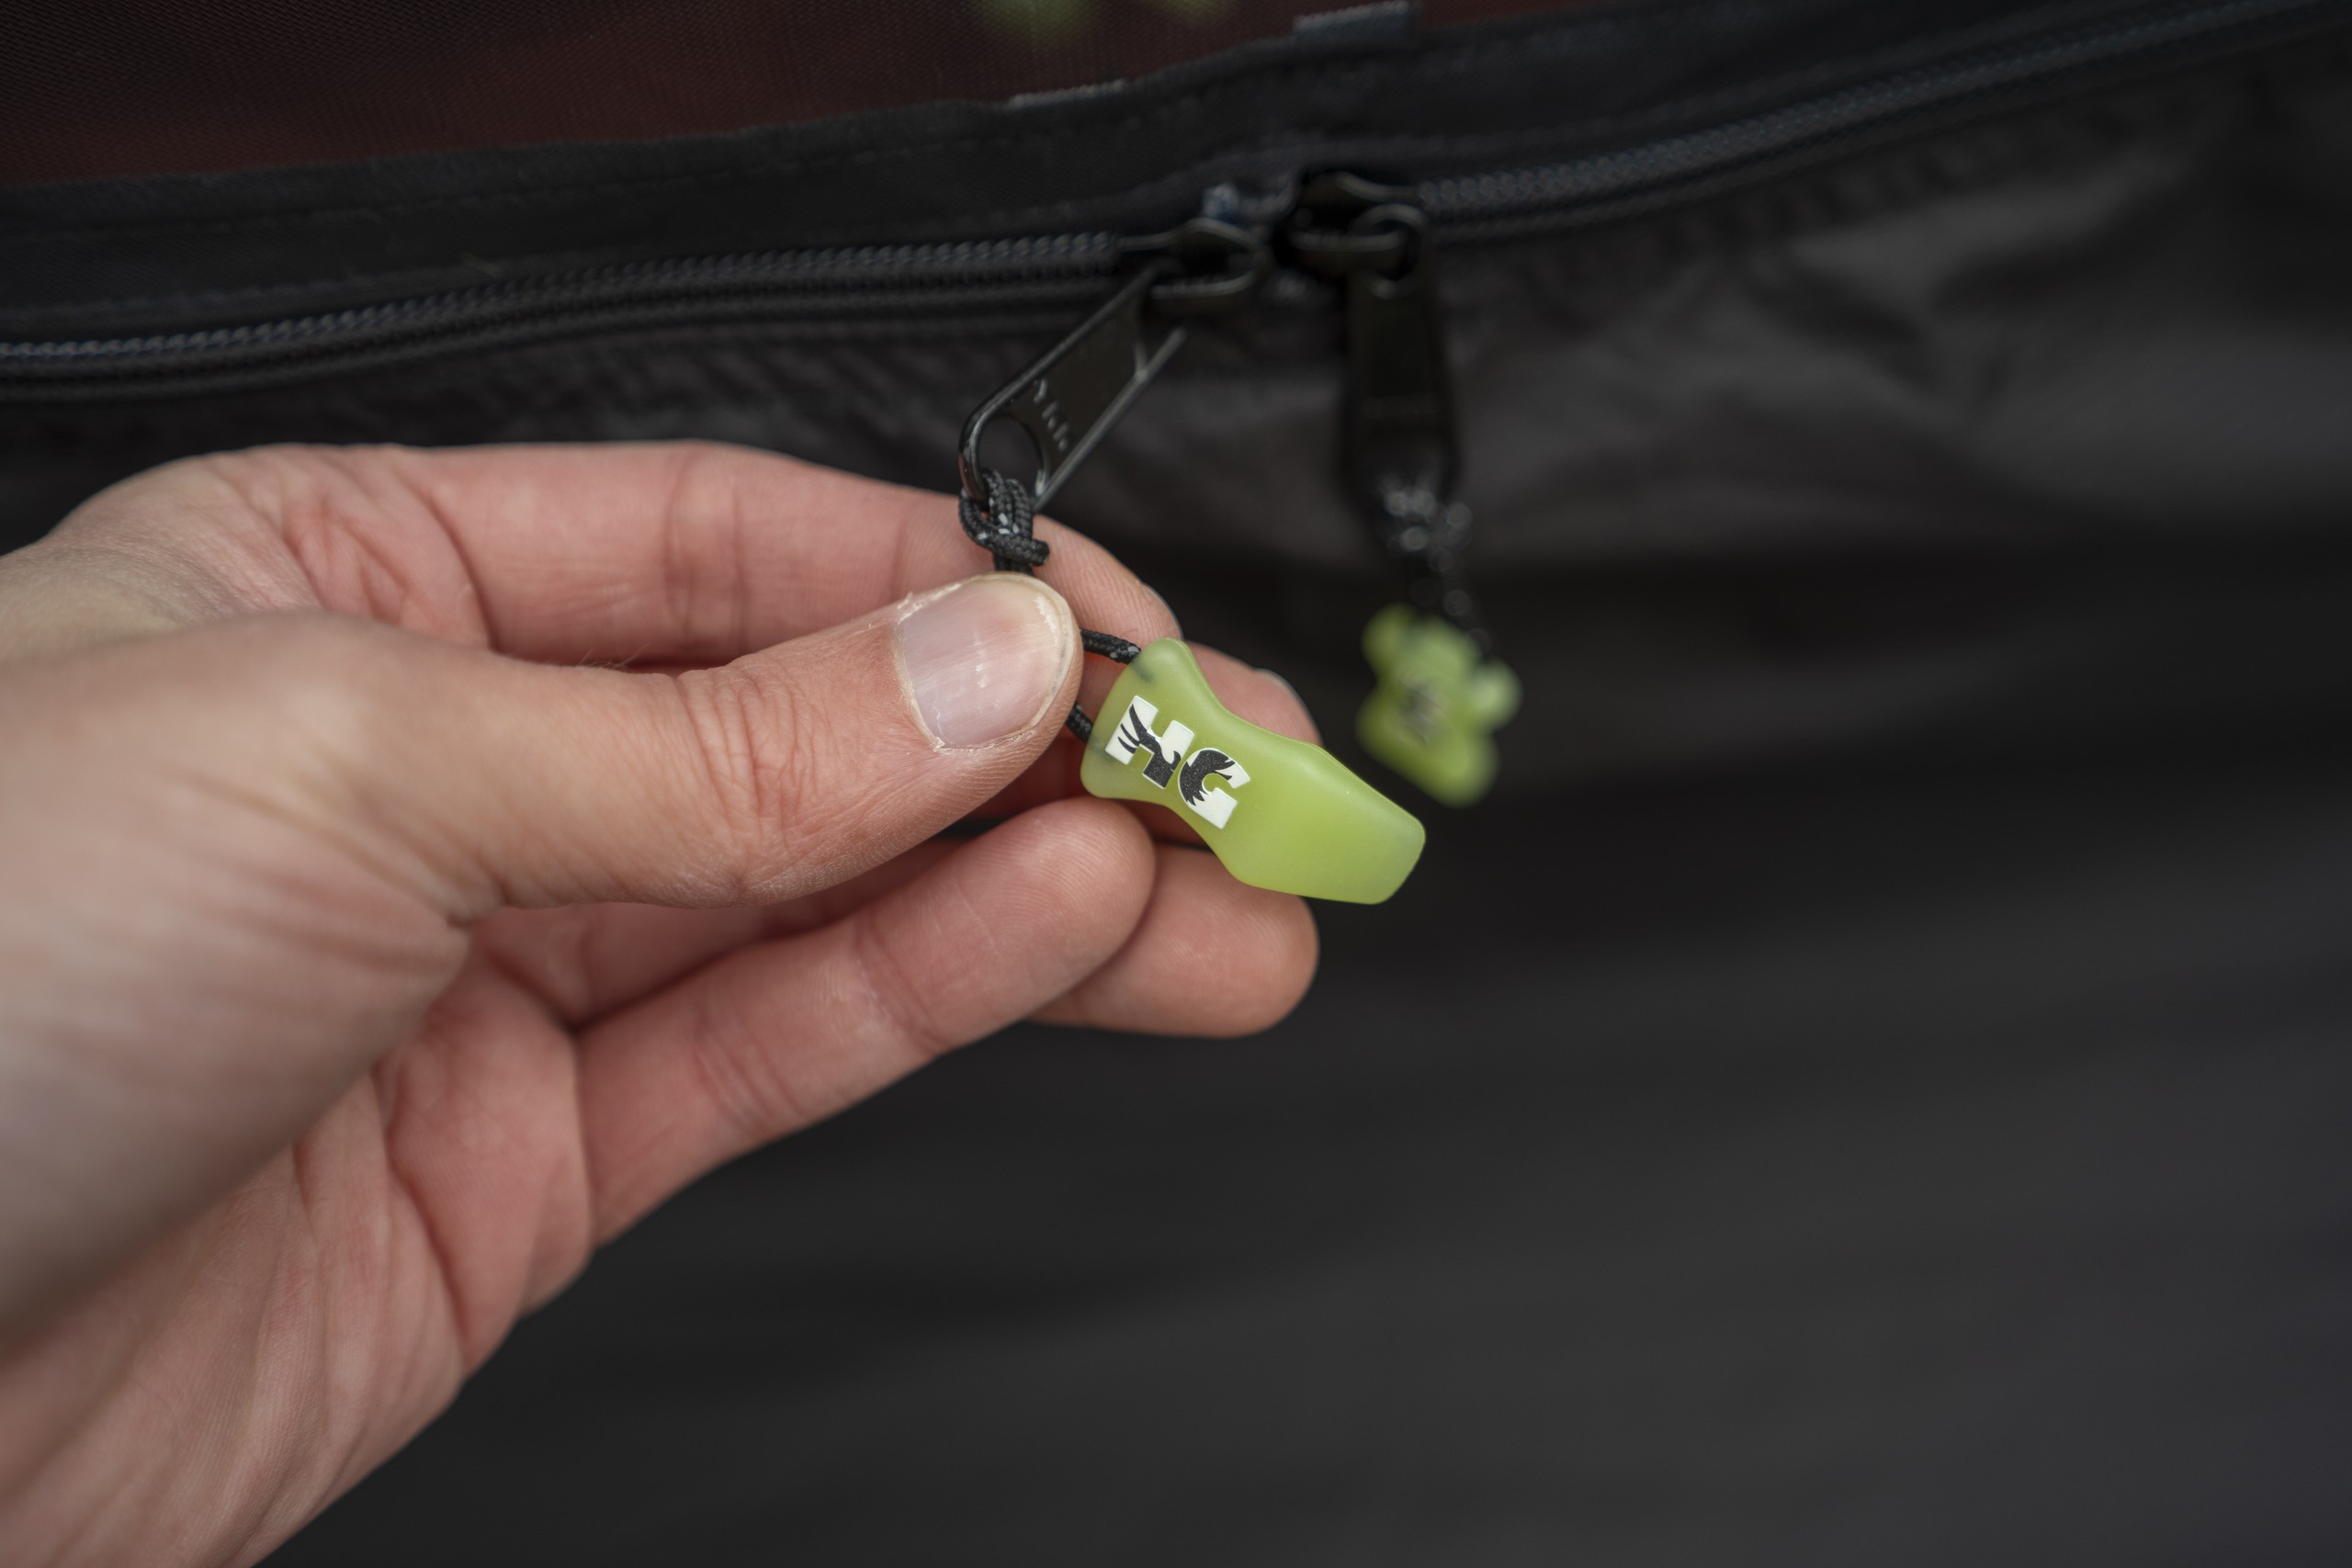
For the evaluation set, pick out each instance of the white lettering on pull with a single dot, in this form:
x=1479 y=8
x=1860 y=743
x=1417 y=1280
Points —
x=1164 y=754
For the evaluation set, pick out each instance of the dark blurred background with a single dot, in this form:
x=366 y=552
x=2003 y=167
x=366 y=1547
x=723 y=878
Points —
x=110 y=87
x=1874 y=1083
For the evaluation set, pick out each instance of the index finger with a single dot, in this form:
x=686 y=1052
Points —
x=683 y=552
x=693 y=550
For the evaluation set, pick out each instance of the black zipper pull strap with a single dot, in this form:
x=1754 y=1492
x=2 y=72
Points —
x=1440 y=691
x=1402 y=451
x=1068 y=400
x=1002 y=527
x=1308 y=826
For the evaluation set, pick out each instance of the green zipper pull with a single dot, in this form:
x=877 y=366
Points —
x=1280 y=813
x=1433 y=714
x=1441 y=693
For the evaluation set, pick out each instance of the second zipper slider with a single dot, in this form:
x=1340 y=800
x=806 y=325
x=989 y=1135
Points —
x=1306 y=825
x=1441 y=692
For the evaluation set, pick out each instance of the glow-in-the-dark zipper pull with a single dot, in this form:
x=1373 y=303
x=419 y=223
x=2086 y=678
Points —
x=1279 y=813
x=1440 y=691
x=1440 y=698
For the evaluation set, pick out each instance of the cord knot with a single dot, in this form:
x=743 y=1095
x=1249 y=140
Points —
x=1000 y=522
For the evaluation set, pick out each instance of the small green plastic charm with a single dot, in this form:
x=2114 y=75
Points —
x=1279 y=813
x=1439 y=701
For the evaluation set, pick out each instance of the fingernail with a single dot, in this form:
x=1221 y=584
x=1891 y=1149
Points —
x=983 y=658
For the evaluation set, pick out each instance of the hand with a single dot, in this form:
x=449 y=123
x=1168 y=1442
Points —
x=414 y=866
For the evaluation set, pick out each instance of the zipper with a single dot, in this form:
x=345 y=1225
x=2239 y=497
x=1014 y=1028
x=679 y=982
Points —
x=1441 y=692
x=1068 y=400
x=836 y=285
x=1514 y=202
x=1401 y=450
x=851 y=285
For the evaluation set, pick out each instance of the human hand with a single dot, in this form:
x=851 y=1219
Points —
x=371 y=948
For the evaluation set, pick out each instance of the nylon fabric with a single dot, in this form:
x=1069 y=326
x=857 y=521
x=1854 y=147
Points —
x=154 y=254
x=103 y=88
x=1835 y=1172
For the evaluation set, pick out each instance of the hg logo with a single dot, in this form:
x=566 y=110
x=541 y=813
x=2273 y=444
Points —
x=1164 y=754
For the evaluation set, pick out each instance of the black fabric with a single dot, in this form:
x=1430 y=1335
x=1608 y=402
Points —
x=1833 y=1172
x=98 y=88
x=1872 y=1086
x=151 y=254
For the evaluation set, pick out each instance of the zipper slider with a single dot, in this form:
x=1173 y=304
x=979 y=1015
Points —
x=1440 y=691
x=1069 y=399
x=1401 y=452
x=1306 y=824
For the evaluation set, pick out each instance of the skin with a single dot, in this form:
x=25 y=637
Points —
x=418 y=865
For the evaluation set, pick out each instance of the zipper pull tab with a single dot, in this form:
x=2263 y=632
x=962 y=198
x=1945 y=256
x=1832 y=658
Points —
x=1069 y=399
x=1306 y=825
x=1440 y=691
x=1401 y=452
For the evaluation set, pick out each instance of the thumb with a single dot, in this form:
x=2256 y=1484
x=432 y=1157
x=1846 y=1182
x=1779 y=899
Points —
x=164 y=803
x=753 y=781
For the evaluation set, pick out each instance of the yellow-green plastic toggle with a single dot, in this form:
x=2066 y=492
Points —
x=1278 y=812
x=1433 y=714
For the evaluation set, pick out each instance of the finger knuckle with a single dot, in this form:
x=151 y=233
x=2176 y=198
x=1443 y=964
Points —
x=896 y=997
x=334 y=683
x=757 y=748
x=735 y=1061
x=706 y=529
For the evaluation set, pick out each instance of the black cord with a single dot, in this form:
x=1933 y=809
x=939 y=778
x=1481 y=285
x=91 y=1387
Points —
x=1102 y=645
x=1430 y=536
x=1001 y=520
x=1002 y=523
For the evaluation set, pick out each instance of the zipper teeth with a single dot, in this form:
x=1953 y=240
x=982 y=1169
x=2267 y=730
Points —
x=875 y=269
x=1474 y=206
x=1466 y=199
